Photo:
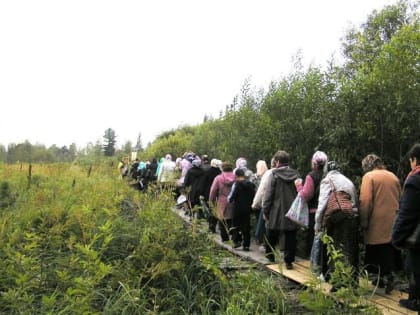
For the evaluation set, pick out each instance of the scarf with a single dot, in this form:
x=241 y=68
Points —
x=414 y=171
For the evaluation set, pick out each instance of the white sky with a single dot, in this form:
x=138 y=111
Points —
x=71 y=69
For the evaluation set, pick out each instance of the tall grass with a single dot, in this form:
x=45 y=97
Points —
x=76 y=239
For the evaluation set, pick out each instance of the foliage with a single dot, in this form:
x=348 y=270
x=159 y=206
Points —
x=366 y=105
x=26 y=152
x=175 y=144
x=78 y=242
x=350 y=298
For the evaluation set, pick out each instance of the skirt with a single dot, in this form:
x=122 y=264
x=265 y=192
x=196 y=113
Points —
x=380 y=259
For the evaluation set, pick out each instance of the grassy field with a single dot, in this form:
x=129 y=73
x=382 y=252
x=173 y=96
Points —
x=76 y=239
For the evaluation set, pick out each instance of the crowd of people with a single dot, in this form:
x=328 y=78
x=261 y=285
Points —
x=384 y=214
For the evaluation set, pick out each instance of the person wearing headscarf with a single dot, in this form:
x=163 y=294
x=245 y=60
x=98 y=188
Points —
x=241 y=196
x=185 y=165
x=407 y=220
x=242 y=163
x=192 y=181
x=380 y=193
x=341 y=226
x=208 y=177
x=309 y=191
x=256 y=179
x=151 y=170
x=166 y=174
x=219 y=192
x=205 y=163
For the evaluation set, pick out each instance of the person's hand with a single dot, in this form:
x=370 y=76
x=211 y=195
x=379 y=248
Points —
x=317 y=228
x=298 y=183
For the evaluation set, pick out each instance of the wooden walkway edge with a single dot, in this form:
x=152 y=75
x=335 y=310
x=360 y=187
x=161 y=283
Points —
x=387 y=303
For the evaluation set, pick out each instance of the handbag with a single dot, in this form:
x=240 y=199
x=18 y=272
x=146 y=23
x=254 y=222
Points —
x=299 y=211
x=338 y=201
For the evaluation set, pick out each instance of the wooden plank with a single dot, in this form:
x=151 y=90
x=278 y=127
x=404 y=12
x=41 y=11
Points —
x=387 y=303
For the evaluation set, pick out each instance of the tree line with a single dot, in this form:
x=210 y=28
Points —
x=367 y=103
x=39 y=153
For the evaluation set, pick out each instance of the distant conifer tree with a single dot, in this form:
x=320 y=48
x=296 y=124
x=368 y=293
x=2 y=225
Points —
x=109 y=142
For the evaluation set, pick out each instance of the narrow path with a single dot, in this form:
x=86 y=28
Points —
x=301 y=274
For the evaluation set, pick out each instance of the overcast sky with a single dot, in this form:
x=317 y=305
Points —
x=71 y=69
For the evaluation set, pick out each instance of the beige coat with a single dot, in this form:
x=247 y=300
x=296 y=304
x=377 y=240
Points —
x=380 y=193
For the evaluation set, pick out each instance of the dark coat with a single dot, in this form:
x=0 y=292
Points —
x=279 y=196
x=242 y=196
x=208 y=177
x=407 y=219
x=193 y=179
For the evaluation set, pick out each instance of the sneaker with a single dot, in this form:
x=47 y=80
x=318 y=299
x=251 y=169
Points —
x=289 y=266
x=411 y=304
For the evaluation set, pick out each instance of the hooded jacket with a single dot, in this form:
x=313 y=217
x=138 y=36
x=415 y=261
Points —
x=279 y=195
x=219 y=192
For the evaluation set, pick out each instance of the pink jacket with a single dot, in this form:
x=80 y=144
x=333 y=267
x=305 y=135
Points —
x=219 y=192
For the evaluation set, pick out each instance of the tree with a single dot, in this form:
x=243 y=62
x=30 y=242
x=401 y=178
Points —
x=139 y=143
x=72 y=151
x=109 y=142
x=362 y=47
x=127 y=147
x=3 y=153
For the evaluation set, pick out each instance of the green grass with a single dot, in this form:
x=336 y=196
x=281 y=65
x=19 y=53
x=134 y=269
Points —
x=80 y=242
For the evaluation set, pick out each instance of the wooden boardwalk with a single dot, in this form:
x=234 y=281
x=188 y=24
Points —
x=387 y=303
x=300 y=273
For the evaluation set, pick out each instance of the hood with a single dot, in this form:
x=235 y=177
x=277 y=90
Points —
x=285 y=173
x=228 y=176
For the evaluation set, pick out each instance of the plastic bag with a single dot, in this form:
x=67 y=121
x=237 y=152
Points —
x=299 y=212
x=316 y=254
x=205 y=208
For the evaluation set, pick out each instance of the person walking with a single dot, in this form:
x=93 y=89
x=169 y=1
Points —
x=339 y=222
x=241 y=196
x=193 y=183
x=309 y=191
x=208 y=178
x=380 y=193
x=406 y=222
x=280 y=191
x=219 y=193
x=166 y=175
x=256 y=179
